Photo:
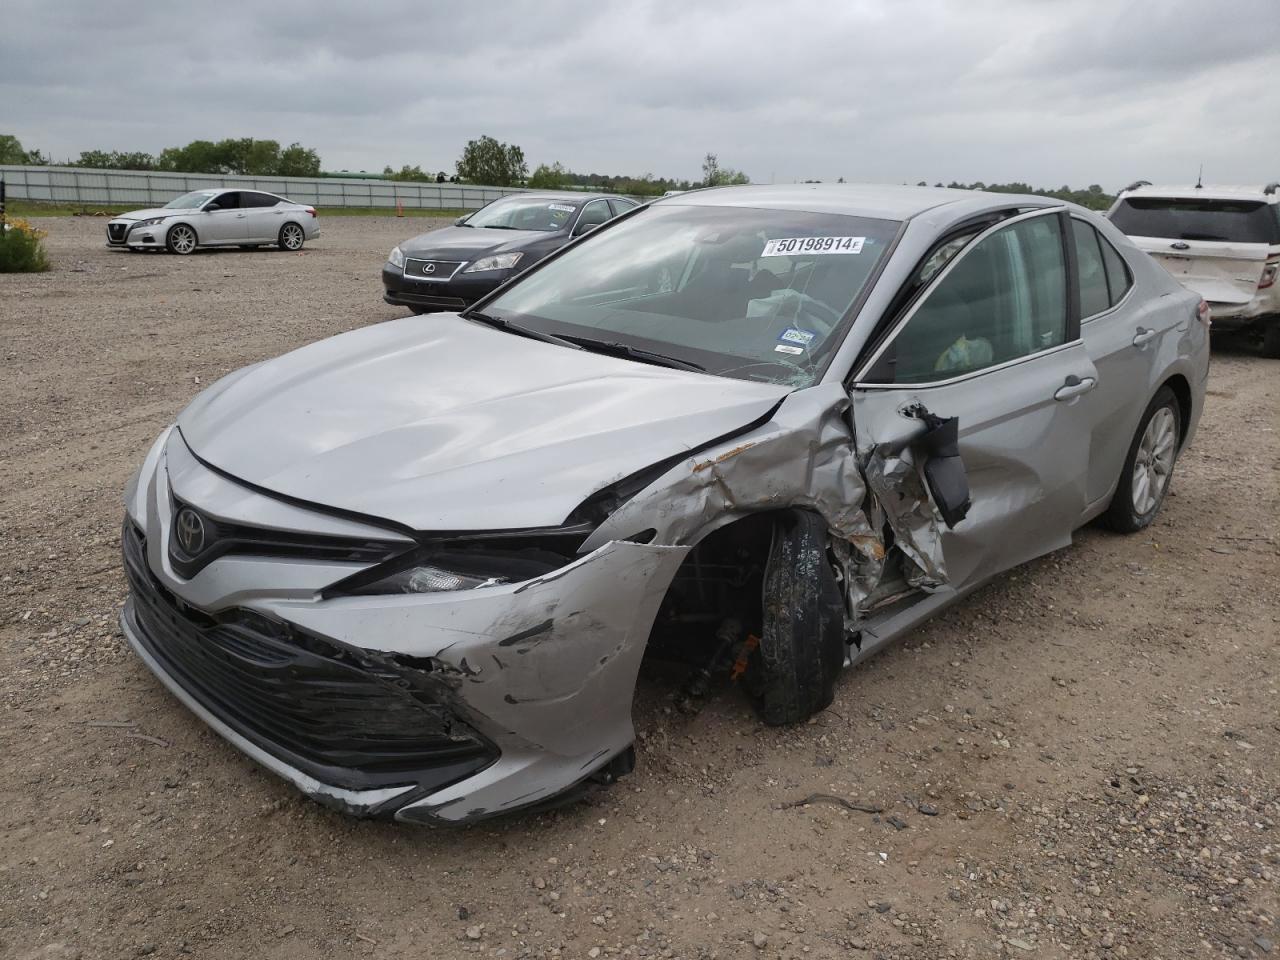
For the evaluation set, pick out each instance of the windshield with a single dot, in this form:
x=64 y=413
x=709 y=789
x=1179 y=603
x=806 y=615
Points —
x=189 y=201
x=1237 y=221
x=524 y=213
x=751 y=294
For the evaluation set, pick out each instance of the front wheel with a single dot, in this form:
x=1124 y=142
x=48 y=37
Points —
x=792 y=674
x=291 y=237
x=1148 y=468
x=181 y=239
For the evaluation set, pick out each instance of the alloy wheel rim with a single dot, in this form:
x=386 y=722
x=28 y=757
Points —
x=292 y=237
x=183 y=240
x=1153 y=462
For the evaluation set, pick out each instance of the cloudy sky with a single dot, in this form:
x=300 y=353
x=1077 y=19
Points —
x=1043 y=91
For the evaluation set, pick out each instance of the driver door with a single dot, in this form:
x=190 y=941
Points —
x=993 y=342
x=227 y=224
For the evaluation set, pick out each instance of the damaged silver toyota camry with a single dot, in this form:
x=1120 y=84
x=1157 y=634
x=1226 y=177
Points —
x=414 y=568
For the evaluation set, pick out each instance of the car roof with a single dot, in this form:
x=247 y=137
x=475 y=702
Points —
x=879 y=201
x=575 y=195
x=1210 y=191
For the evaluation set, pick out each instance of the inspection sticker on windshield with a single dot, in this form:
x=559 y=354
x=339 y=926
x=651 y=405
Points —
x=798 y=246
x=560 y=206
x=797 y=336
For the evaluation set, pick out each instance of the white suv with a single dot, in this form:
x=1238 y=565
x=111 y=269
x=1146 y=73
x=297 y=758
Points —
x=1221 y=242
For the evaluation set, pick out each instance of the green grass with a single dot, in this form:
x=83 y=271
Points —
x=36 y=208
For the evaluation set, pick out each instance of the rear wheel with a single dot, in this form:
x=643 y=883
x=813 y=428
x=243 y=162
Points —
x=1148 y=468
x=792 y=674
x=291 y=237
x=181 y=239
x=1271 y=339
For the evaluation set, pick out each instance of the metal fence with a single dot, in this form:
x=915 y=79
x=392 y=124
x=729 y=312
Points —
x=140 y=189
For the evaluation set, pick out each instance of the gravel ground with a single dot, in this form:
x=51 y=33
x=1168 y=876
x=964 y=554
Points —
x=1078 y=762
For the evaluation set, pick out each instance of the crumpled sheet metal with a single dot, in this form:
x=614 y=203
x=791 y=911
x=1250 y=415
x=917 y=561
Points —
x=803 y=457
x=546 y=669
x=894 y=480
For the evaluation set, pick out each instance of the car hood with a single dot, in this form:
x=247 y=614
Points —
x=465 y=243
x=148 y=214
x=451 y=425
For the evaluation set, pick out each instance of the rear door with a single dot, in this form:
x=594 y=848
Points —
x=993 y=342
x=1123 y=335
x=1216 y=247
x=264 y=214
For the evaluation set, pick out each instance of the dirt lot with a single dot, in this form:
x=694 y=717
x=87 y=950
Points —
x=1080 y=761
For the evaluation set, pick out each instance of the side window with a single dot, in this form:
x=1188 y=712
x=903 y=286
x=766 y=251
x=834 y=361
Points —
x=596 y=212
x=1006 y=297
x=1119 y=279
x=258 y=200
x=621 y=206
x=228 y=201
x=1094 y=295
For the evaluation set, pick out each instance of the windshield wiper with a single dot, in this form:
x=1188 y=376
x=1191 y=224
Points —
x=509 y=327
x=498 y=226
x=636 y=353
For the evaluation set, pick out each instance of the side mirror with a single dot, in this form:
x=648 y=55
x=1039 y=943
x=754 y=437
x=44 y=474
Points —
x=211 y=208
x=580 y=228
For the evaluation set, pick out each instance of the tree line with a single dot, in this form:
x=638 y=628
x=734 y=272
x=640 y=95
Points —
x=242 y=155
x=1092 y=196
x=484 y=160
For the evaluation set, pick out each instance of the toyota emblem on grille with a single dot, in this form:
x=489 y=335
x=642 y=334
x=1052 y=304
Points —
x=188 y=527
x=429 y=268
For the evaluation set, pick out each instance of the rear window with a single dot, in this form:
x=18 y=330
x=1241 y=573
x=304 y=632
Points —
x=1236 y=221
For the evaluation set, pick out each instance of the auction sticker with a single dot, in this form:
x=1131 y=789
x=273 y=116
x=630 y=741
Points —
x=560 y=206
x=787 y=348
x=799 y=246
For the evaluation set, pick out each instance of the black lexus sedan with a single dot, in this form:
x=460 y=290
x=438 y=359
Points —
x=451 y=268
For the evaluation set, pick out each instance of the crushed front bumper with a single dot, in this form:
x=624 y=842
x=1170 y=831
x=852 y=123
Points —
x=432 y=708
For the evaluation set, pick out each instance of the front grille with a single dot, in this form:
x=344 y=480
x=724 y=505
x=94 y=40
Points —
x=222 y=537
x=424 y=300
x=431 y=269
x=344 y=716
x=116 y=232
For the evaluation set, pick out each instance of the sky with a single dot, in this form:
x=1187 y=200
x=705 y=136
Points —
x=1047 y=92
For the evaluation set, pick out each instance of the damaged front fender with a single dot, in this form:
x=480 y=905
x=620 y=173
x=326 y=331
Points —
x=871 y=494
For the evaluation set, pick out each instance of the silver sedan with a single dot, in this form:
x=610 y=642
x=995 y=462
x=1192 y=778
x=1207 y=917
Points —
x=216 y=218
x=414 y=568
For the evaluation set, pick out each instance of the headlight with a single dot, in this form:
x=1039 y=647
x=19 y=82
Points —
x=396 y=257
x=443 y=569
x=503 y=261
x=149 y=223
x=428 y=579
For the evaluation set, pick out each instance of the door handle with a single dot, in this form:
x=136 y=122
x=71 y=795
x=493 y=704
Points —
x=1142 y=337
x=1075 y=386
x=239 y=216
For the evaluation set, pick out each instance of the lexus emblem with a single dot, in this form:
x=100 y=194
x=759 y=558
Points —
x=188 y=528
x=429 y=268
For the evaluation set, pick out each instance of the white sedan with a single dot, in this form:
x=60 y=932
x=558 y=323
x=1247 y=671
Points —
x=216 y=218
